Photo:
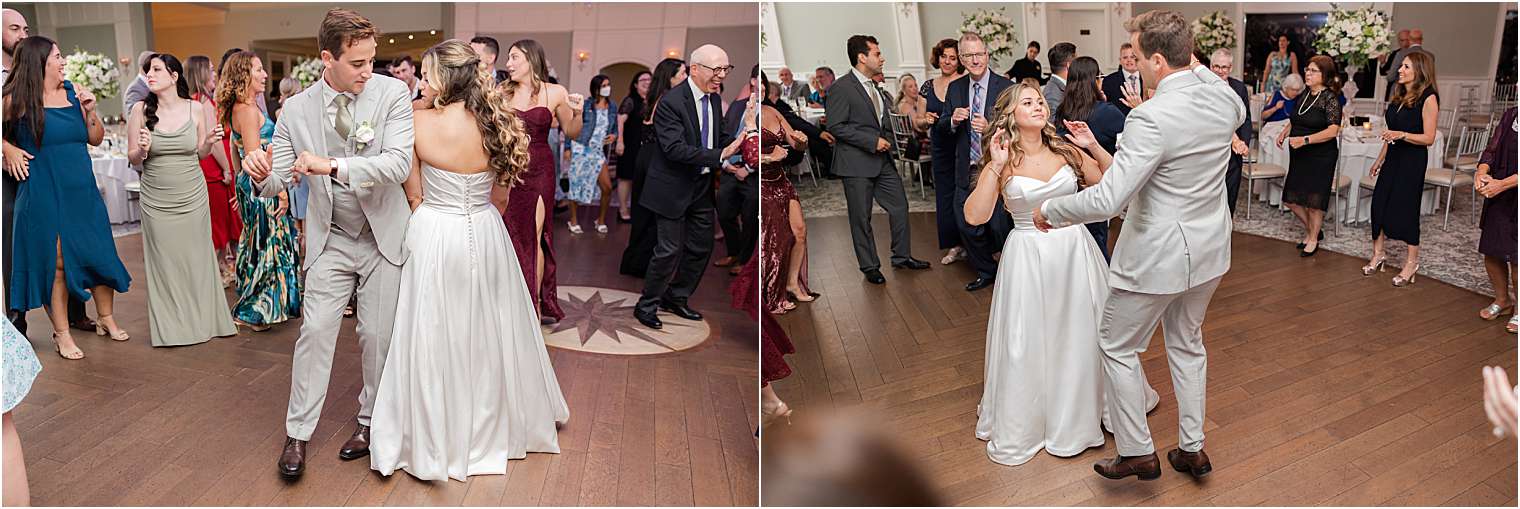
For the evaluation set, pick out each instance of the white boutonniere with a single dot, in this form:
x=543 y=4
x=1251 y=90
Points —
x=364 y=134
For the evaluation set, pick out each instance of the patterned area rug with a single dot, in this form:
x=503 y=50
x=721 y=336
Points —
x=1449 y=255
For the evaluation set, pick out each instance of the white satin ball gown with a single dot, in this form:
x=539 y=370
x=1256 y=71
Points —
x=1044 y=379
x=467 y=384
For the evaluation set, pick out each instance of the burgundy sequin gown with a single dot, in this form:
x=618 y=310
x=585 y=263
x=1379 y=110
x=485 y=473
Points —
x=537 y=185
x=775 y=247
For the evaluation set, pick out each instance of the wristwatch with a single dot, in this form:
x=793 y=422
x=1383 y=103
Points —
x=332 y=167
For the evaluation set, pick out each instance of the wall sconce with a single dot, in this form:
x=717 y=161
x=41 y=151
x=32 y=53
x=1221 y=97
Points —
x=582 y=56
x=672 y=54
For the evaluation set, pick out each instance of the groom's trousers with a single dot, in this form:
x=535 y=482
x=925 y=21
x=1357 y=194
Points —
x=345 y=262
x=1129 y=321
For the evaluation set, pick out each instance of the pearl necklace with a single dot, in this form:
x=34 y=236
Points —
x=1304 y=108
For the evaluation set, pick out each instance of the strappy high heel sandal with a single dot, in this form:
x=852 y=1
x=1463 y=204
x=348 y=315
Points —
x=811 y=296
x=73 y=355
x=1378 y=265
x=100 y=329
x=780 y=411
x=1400 y=282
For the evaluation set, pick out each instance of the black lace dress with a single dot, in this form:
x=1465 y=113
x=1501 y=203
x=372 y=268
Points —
x=1312 y=167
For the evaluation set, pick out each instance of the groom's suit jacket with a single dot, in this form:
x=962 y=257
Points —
x=1170 y=172
x=374 y=172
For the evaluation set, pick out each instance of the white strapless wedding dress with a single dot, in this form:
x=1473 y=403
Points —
x=467 y=384
x=1044 y=379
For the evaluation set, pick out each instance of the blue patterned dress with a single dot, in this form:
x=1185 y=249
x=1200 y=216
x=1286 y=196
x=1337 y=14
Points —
x=21 y=366
x=268 y=268
x=587 y=159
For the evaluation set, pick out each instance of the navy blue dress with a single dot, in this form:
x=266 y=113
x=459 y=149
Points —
x=942 y=162
x=59 y=201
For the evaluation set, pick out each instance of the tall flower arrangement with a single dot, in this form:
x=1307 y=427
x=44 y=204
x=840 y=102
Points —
x=996 y=30
x=93 y=72
x=307 y=72
x=1354 y=35
x=1213 y=31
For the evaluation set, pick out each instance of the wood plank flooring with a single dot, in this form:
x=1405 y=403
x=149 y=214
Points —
x=203 y=425
x=1325 y=387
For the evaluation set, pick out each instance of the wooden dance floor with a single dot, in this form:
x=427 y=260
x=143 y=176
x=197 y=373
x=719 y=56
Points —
x=204 y=424
x=1325 y=388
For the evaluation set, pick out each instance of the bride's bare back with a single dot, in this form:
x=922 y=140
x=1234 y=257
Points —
x=449 y=139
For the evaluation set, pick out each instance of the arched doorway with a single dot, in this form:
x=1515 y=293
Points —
x=621 y=74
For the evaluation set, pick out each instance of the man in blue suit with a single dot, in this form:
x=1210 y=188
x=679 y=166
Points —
x=964 y=116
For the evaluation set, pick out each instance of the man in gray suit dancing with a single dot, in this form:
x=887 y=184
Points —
x=857 y=112
x=1175 y=247
x=350 y=134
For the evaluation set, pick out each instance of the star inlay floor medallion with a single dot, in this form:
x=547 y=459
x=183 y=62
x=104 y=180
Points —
x=601 y=320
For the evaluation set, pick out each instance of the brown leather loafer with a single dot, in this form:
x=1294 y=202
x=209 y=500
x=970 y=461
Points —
x=293 y=459
x=357 y=446
x=1195 y=463
x=1147 y=467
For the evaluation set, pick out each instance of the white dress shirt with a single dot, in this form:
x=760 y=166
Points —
x=330 y=99
x=697 y=94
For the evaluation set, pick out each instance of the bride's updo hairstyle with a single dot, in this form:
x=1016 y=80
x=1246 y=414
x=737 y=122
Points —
x=453 y=70
x=1003 y=121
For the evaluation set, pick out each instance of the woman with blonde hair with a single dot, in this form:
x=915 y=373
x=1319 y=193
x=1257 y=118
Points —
x=467 y=384
x=1044 y=378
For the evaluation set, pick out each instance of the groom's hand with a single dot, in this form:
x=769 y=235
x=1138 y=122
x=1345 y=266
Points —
x=312 y=164
x=1039 y=221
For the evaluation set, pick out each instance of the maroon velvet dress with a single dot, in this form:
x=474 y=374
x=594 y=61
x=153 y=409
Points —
x=537 y=185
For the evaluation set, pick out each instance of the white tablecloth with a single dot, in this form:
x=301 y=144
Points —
x=112 y=174
x=1356 y=158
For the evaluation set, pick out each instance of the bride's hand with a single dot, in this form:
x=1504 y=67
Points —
x=997 y=150
x=1080 y=135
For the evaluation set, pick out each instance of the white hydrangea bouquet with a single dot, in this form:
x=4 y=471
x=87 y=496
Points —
x=93 y=72
x=1213 y=31
x=1354 y=35
x=996 y=30
x=307 y=72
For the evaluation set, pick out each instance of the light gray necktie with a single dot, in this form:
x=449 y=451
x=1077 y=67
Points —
x=345 y=120
x=1132 y=83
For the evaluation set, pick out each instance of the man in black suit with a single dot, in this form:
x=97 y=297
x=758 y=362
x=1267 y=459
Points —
x=964 y=116
x=857 y=112
x=678 y=187
x=1027 y=67
x=738 y=191
x=489 y=50
x=1128 y=75
x=1222 y=62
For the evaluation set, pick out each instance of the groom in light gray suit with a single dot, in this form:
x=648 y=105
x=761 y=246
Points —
x=351 y=135
x=1175 y=246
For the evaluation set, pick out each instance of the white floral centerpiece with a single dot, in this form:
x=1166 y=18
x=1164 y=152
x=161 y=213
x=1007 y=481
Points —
x=1213 y=31
x=996 y=30
x=1354 y=35
x=93 y=72
x=307 y=72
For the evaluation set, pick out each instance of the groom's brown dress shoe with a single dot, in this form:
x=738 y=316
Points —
x=357 y=446
x=1195 y=463
x=293 y=459
x=1147 y=467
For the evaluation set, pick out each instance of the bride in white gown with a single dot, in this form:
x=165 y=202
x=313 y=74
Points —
x=467 y=384
x=1044 y=377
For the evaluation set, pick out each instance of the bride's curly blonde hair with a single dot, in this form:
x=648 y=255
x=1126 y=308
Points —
x=453 y=69
x=1002 y=122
